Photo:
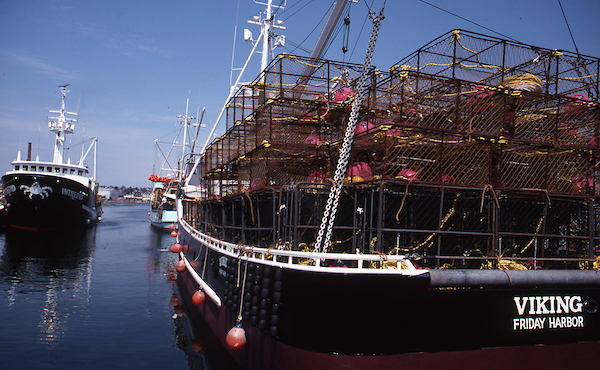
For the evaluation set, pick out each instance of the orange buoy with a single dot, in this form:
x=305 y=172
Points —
x=180 y=266
x=172 y=227
x=198 y=298
x=148 y=213
x=175 y=248
x=174 y=233
x=236 y=338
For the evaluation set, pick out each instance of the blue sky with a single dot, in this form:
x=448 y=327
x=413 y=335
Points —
x=132 y=64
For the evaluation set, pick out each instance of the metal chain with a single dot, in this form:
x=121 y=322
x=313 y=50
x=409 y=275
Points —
x=334 y=194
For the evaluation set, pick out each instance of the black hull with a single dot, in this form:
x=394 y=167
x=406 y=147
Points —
x=304 y=319
x=48 y=202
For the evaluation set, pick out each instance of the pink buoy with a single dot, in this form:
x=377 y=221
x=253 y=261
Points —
x=198 y=298
x=175 y=248
x=409 y=174
x=448 y=179
x=343 y=94
x=257 y=183
x=394 y=131
x=180 y=266
x=361 y=129
x=360 y=169
x=582 y=182
x=480 y=100
x=575 y=102
x=313 y=139
x=317 y=176
x=236 y=338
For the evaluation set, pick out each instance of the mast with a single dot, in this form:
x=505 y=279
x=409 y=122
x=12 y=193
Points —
x=62 y=125
x=185 y=121
x=266 y=23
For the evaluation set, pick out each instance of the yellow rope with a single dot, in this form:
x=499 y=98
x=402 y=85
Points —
x=526 y=82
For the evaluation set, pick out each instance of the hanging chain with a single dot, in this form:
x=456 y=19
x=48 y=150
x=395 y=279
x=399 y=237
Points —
x=338 y=179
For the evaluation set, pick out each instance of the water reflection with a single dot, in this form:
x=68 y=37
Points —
x=52 y=270
x=202 y=348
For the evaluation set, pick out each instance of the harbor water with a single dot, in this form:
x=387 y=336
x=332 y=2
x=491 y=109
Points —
x=104 y=298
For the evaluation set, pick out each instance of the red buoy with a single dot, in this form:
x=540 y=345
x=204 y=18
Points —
x=180 y=266
x=198 y=298
x=172 y=227
x=236 y=338
x=184 y=248
x=175 y=248
x=174 y=233
x=148 y=213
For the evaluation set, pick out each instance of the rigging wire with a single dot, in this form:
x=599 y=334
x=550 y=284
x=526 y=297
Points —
x=292 y=6
x=465 y=19
x=277 y=8
x=315 y=28
x=569 y=28
x=296 y=46
x=362 y=28
x=294 y=13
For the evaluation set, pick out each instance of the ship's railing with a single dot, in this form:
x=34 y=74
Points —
x=342 y=262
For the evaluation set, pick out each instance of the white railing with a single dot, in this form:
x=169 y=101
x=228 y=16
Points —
x=308 y=261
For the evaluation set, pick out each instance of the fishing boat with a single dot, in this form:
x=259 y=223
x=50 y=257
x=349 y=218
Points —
x=53 y=195
x=441 y=214
x=163 y=213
